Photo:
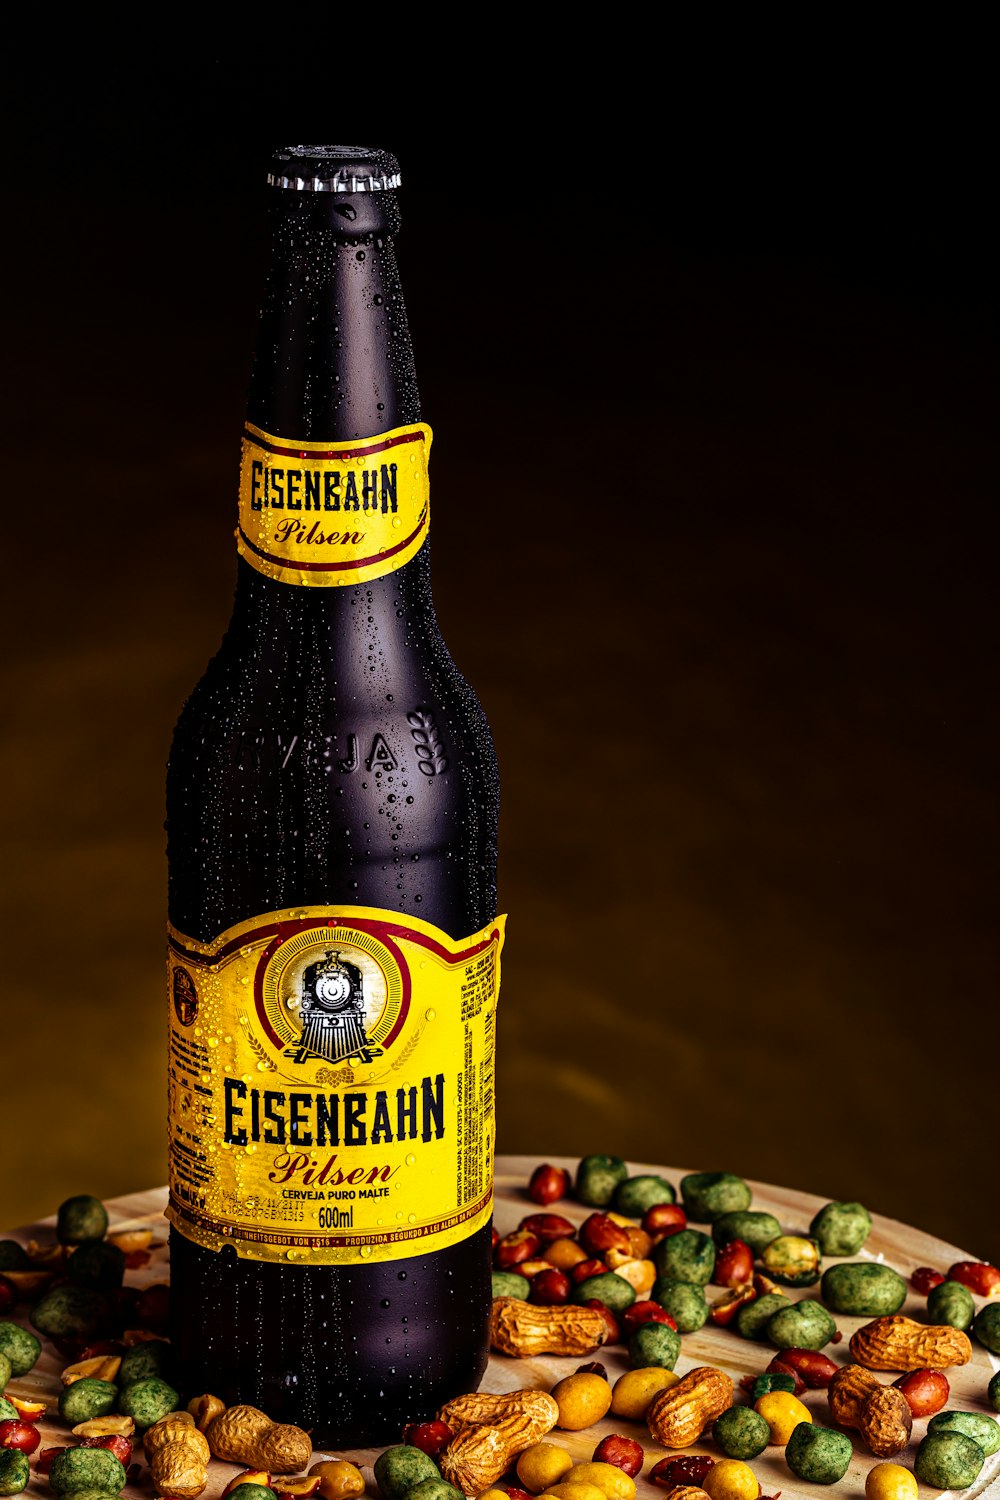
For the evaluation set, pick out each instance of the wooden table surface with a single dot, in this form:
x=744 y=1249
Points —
x=899 y=1245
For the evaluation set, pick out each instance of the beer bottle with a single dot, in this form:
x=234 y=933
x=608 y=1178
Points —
x=334 y=948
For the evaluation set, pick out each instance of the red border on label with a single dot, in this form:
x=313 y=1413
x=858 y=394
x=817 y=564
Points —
x=362 y=450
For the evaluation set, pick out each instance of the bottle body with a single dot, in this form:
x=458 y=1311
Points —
x=332 y=784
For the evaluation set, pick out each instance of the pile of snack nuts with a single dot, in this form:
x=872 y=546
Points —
x=633 y=1273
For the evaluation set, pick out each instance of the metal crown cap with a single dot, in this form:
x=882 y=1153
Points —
x=333 y=169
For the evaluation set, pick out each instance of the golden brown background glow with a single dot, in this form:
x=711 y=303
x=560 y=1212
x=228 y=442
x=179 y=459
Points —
x=739 y=673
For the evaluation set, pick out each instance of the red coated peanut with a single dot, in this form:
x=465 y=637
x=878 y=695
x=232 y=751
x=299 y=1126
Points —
x=588 y=1268
x=926 y=1391
x=550 y=1288
x=614 y=1332
x=430 y=1437
x=924 y=1280
x=644 y=1312
x=978 y=1275
x=624 y=1452
x=663 y=1219
x=733 y=1265
x=778 y=1367
x=513 y=1248
x=814 y=1368
x=599 y=1233
x=672 y=1472
x=548 y=1184
x=548 y=1227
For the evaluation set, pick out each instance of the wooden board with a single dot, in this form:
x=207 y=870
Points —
x=902 y=1247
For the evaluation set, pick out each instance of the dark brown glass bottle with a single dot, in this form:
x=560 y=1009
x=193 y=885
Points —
x=331 y=756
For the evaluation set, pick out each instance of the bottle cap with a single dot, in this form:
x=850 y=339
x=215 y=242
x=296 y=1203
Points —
x=333 y=169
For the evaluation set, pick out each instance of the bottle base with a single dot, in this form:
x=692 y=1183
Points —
x=352 y=1354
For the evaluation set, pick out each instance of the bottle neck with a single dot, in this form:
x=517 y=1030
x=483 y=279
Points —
x=333 y=488
x=333 y=359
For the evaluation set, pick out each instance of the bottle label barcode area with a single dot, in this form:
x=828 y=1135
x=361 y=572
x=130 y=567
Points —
x=331 y=1085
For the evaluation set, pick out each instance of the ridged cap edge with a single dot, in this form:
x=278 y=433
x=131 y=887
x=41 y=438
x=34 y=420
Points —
x=333 y=169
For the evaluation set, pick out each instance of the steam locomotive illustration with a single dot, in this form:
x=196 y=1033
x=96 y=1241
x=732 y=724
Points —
x=332 y=1010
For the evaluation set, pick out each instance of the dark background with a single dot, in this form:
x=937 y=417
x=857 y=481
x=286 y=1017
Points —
x=726 y=596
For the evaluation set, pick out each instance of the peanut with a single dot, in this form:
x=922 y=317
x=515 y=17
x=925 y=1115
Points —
x=130 y=1240
x=492 y=1431
x=569 y=1491
x=885 y=1421
x=100 y=1367
x=475 y=1459
x=244 y=1435
x=548 y=1184
x=542 y=1465
x=847 y=1393
x=300 y=1489
x=898 y=1343
x=515 y=1247
x=523 y=1329
x=634 y=1391
x=482 y=1408
x=613 y=1482
x=582 y=1400
x=640 y=1274
x=677 y=1417
x=890 y=1482
x=564 y=1254
x=204 y=1410
x=731 y=1479
x=640 y=1243
x=624 y=1452
x=178 y=1456
x=101 y=1426
x=926 y=1391
x=338 y=1479
x=782 y=1412
x=248 y=1476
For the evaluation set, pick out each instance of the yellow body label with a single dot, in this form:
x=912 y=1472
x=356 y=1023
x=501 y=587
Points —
x=331 y=1085
x=333 y=513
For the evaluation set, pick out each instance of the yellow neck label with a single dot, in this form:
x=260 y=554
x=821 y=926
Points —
x=331 y=1085
x=323 y=514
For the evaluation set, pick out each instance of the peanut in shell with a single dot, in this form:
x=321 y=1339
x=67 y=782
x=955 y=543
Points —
x=899 y=1343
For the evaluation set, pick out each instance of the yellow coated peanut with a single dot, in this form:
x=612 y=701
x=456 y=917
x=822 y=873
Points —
x=568 y=1491
x=610 y=1480
x=635 y=1389
x=890 y=1482
x=542 y=1465
x=564 y=1254
x=782 y=1412
x=582 y=1400
x=640 y=1275
x=730 y=1479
